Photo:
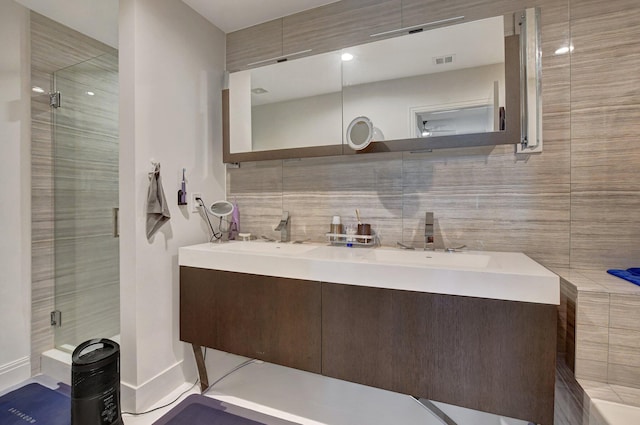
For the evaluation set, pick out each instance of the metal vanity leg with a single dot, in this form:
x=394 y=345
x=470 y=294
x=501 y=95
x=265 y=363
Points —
x=444 y=418
x=202 y=368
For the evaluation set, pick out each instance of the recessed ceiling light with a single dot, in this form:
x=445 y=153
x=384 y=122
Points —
x=347 y=57
x=259 y=90
x=90 y=93
x=37 y=89
x=564 y=50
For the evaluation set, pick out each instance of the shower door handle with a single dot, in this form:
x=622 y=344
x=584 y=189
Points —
x=116 y=222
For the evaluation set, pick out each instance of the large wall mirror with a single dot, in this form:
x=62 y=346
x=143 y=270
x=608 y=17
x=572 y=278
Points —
x=452 y=86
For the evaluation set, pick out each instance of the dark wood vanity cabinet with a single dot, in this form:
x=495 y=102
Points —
x=268 y=318
x=491 y=355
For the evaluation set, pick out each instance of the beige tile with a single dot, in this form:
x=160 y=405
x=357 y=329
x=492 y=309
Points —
x=255 y=177
x=491 y=169
x=54 y=46
x=344 y=23
x=593 y=309
x=606 y=206
x=592 y=342
x=599 y=390
x=623 y=375
x=612 y=284
x=594 y=8
x=362 y=173
x=600 y=42
x=624 y=347
x=628 y=395
x=603 y=246
x=591 y=370
x=625 y=312
x=420 y=11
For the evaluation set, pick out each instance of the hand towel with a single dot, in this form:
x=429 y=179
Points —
x=157 y=208
x=632 y=275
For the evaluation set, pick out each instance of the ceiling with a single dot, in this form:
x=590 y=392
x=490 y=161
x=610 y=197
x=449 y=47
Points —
x=232 y=15
x=99 y=18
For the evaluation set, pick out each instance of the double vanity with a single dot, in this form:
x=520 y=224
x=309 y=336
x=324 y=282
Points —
x=473 y=329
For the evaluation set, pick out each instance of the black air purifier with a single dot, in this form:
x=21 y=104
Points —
x=95 y=383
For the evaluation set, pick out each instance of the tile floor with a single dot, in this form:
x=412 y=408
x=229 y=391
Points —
x=310 y=399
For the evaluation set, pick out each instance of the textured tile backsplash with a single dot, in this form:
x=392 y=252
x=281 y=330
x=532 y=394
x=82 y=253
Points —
x=482 y=198
x=573 y=205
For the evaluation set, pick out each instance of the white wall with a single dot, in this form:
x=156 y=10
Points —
x=15 y=194
x=171 y=70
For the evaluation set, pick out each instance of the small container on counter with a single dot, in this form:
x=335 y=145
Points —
x=336 y=228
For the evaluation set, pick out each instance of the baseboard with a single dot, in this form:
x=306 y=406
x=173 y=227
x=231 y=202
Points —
x=14 y=372
x=140 y=398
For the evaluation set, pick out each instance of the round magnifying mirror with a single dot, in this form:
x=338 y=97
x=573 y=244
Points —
x=221 y=208
x=359 y=133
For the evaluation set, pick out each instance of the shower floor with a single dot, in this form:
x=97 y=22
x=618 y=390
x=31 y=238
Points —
x=56 y=363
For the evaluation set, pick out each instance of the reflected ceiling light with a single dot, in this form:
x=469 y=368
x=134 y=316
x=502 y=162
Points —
x=347 y=57
x=37 y=89
x=259 y=90
x=564 y=50
x=90 y=93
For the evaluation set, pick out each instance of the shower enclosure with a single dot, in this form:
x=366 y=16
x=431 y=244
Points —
x=85 y=151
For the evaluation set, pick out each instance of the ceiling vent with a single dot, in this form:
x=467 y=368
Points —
x=441 y=60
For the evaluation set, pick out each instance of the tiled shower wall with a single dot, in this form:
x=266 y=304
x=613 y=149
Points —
x=53 y=47
x=574 y=205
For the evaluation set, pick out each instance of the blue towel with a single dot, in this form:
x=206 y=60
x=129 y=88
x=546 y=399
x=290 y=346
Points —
x=632 y=274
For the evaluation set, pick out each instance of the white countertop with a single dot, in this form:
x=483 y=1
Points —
x=493 y=275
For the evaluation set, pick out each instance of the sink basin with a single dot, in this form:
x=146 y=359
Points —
x=494 y=275
x=267 y=247
x=429 y=258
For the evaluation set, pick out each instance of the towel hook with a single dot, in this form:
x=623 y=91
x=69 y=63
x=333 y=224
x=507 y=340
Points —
x=156 y=166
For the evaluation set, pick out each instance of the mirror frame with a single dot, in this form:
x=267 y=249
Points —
x=510 y=136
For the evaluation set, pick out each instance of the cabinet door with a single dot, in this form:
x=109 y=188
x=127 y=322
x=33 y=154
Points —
x=337 y=25
x=489 y=355
x=253 y=44
x=273 y=319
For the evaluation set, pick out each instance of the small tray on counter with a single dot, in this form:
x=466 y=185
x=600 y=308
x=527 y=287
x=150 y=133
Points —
x=352 y=240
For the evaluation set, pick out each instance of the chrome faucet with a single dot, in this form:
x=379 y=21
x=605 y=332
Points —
x=428 y=232
x=284 y=227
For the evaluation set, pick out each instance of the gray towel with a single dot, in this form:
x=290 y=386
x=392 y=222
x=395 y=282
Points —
x=157 y=208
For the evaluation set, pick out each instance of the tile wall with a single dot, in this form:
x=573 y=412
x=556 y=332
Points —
x=605 y=327
x=53 y=47
x=574 y=205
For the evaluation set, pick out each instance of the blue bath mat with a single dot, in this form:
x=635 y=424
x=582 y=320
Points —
x=35 y=404
x=200 y=410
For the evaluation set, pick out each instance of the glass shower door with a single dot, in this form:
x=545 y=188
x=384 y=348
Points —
x=85 y=131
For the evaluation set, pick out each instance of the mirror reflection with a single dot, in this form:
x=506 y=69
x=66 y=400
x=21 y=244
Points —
x=441 y=82
x=290 y=104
